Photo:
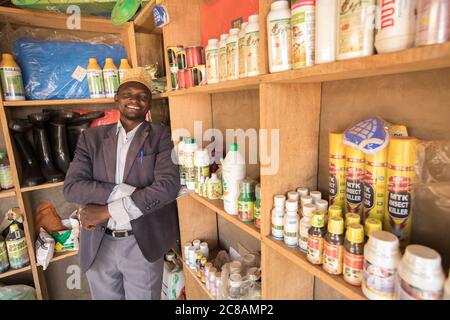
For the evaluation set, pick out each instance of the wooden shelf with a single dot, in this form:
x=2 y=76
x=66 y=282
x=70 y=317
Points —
x=12 y=272
x=144 y=20
x=7 y=193
x=43 y=186
x=38 y=103
x=63 y=255
x=194 y=279
x=299 y=258
x=159 y=96
x=217 y=206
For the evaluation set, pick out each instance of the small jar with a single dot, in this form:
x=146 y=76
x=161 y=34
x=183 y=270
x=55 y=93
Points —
x=316 y=195
x=278 y=217
x=235 y=286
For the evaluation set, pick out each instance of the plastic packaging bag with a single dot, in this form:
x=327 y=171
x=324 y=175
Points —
x=68 y=240
x=17 y=292
x=45 y=248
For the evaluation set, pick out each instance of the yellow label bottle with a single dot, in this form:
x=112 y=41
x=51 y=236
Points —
x=111 y=78
x=336 y=169
x=123 y=68
x=375 y=185
x=354 y=175
x=95 y=79
x=11 y=78
x=399 y=189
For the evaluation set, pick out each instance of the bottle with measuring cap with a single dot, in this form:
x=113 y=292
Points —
x=278 y=217
x=354 y=254
x=304 y=225
x=352 y=218
x=302 y=191
x=333 y=252
x=306 y=200
x=316 y=238
x=316 y=195
x=11 y=79
x=95 y=79
x=335 y=211
x=291 y=223
x=371 y=225
x=293 y=195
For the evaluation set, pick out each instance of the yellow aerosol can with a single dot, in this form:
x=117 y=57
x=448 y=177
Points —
x=354 y=178
x=336 y=168
x=375 y=185
x=399 y=189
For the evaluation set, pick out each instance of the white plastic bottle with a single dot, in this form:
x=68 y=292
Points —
x=111 y=78
x=433 y=22
x=356 y=24
x=223 y=73
x=233 y=54
x=395 y=24
x=242 y=51
x=201 y=164
x=291 y=223
x=302 y=191
x=252 y=45
x=315 y=195
x=233 y=171
x=306 y=200
x=326 y=16
x=212 y=61
x=303 y=33
x=305 y=224
x=180 y=151
x=322 y=206
x=278 y=217
x=279 y=36
x=188 y=160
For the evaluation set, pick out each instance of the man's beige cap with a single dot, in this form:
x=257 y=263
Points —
x=137 y=75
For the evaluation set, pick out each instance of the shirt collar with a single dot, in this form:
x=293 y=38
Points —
x=129 y=134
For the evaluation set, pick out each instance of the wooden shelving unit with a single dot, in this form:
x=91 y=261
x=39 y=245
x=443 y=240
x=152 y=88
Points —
x=12 y=272
x=7 y=194
x=63 y=255
x=42 y=187
x=191 y=279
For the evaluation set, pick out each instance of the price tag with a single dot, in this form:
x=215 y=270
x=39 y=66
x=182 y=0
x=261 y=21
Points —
x=79 y=73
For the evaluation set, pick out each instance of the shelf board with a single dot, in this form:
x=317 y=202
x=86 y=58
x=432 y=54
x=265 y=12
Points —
x=7 y=193
x=190 y=273
x=410 y=60
x=63 y=255
x=299 y=258
x=42 y=186
x=12 y=272
x=34 y=103
x=217 y=206
x=144 y=20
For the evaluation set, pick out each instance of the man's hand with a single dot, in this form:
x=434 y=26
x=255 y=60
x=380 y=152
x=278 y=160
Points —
x=91 y=215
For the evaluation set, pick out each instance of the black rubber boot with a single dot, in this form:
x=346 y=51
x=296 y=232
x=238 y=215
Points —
x=31 y=172
x=76 y=126
x=42 y=146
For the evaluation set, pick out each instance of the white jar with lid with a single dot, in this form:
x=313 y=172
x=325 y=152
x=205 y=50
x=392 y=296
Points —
x=381 y=259
x=433 y=22
x=291 y=223
x=242 y=49
x=306 y=200
x=279 y=36
x=278 y=217
x=252 y=45
x=212 y=61
x=395 y=24
x=322 y=206
x=186 y=247
x=196 y=243
x=192 y=258
x=233 y=54
x=223 y=73
x=204 y=249
x=316 y=195
x=303 y=191
x=356 y=26
x=293 y=195
x=420 y=275
x=326 y=16
x=304 y=225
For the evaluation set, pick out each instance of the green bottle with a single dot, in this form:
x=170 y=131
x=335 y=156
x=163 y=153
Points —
x=17 y=248
x=258 y=206
x=246 y=201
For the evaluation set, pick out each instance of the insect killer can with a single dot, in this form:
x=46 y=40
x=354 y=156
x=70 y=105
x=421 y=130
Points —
x=399 y=190
x=336 y=167
x=354 y=175
x=375 y=185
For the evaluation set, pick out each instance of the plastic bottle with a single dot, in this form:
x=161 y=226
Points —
x=204 y=249
x=303 y=33
x=315 y=195
x=258 y=206
x=420 y=275
x=381 y=259
x=326 y=16
x=212 y=281
x=201 y=164
x=433 y=22
x=191 y=257
x=123 y=68
x=252 y=46
x=233 y=171
x=335 y=211
x=203 y=262
x=246 y=201
x=279 y=36
x=354 y=254
x=17 y=248
x=208 y=267
x=352 y=218
x=95 y=79
x=356 y=24
x=395 y=24
x=322 y=206
x=233 y=54
x=188 y=160
x=111 y=78
x=306 y=200
x=186 y=247
x=198 y=261
x=354 y=176
x=291 y=220
x=242 y=49
x=278 y=217
x=316 y=238
x=302 y=191
x=223 y=71
x=214 y=187
x=371 y=225
x=304 y=225
x=11 y=79
x=212 y=61
x=293 y=195
x=447 y=288
x=6 y=180
x=399 y=190
x=333 y=252
x=375 y=185
x=4 y=262
x=219 y=295
x=180 y=150
x=336 y=169
x=235 y=286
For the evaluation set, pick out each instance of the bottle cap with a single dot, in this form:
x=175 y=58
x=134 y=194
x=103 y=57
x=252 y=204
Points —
x=402 y=152
x=322 y=205
x=213 y=42
x=196 y=244
x=337 y=147
x=279 y=4
x=308 y=209
x=336 y=225
x=253 y=18
x=335 y=211
x=384 y=243
x=318 y=220
x=303 y=191
x=372 y=225
x=13 y=228
x=355 y=233
x=233 y=147
x=223 y=37
x=279 y=200
x=306 y=199
x=293 y=195
x=292 y=205
x=234 y=31
x=246 y=186
x=422 y=258
x=352 y=218
x=316 y=195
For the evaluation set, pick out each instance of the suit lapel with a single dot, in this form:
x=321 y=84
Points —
x=110 y=153
x=135 y=147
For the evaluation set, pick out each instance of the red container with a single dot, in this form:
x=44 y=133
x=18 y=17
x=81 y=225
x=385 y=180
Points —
x=181 y=79
x=195 y=56
x=188 y=78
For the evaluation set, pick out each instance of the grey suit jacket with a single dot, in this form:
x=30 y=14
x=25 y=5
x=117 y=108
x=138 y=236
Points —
x=91 y=178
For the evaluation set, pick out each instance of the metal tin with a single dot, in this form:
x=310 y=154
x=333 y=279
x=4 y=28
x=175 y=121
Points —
x=188 y=78
x=199 y=74
x=195 y=56
x=177 y=56
x=181 y=79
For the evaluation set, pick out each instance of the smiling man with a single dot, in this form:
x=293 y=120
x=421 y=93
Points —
x=125 y=182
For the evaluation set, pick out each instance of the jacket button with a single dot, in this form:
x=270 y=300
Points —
x=103 y=228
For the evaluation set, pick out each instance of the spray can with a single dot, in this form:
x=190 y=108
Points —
x=399 y=191
x=375 y=185
x=11 y=78
x=111 y=77
x=336 y=169
x=95 y=79
x=354 y=176
x=123 y=68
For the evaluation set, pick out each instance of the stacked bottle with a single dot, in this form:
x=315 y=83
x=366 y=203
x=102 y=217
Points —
x=278 y=217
